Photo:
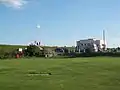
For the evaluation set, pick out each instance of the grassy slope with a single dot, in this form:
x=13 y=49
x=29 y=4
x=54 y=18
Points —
x=69 y=74
x=10 y=47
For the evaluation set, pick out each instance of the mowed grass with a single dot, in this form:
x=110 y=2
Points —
x=101 y=73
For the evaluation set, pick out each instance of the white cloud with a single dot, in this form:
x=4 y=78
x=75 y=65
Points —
x=14 y=3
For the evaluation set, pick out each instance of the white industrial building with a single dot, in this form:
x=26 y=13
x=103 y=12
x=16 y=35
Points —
x=92 y=44
x=36 y=43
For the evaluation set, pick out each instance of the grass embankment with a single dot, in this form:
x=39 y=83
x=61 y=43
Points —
x=8 y=48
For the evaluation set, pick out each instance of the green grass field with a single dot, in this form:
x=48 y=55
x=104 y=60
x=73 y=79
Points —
x=67 y=74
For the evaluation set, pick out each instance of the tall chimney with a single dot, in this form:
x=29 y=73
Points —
x=104 y=36
x=104 y=39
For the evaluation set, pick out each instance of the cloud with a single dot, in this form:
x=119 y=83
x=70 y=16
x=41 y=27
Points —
x=14 y=3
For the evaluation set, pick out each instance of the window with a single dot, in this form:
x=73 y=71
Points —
x=103 y=45
x=81 y=44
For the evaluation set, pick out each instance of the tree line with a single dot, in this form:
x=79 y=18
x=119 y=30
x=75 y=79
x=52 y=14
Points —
x=34 y=51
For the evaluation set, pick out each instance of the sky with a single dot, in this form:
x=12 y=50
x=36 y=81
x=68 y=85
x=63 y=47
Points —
x=62 y=22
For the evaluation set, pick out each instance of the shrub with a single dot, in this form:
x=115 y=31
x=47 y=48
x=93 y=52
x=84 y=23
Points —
x=5 y=54
x=95 y=54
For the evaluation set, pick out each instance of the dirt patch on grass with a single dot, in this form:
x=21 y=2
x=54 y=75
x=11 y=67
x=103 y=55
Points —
x=35 y=73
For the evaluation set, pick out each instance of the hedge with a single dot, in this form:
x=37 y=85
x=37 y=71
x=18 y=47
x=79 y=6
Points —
x=95 y=54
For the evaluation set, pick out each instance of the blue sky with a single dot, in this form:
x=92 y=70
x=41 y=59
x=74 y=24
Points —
x=62 y=21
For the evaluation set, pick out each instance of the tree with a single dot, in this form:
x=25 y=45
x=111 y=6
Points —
x=33 y=50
